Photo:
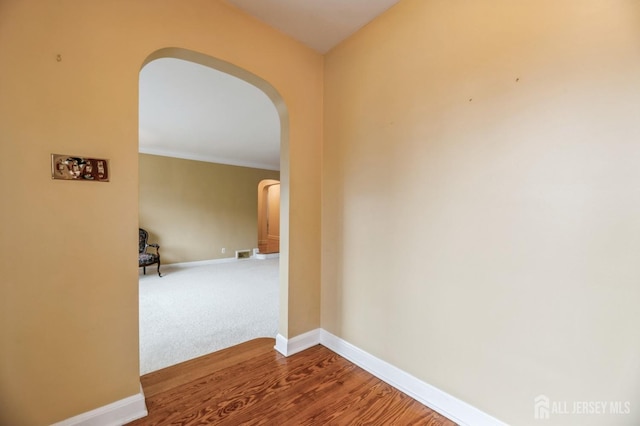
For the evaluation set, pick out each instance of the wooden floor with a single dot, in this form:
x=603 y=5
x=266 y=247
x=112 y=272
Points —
x=253 y=384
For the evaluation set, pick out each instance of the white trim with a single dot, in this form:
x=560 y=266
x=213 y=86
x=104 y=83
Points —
x=202 y=262
x=298 y=343
x=133 y=407
x=208 y=158
x=263 y=256
x=434 y=398
x=281 y=344
x=115 y=414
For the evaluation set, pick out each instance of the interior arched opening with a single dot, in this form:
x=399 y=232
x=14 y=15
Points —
x=278 y=103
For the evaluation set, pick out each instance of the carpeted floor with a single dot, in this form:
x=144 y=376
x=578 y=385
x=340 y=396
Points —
x=197 y=310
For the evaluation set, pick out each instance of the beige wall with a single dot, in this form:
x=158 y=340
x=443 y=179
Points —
x=481 y=225
x=193 y=208
x=68 y=301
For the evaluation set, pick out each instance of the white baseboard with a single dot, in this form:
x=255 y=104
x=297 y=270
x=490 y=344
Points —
x=202 y=262
x=434 y=398
x=281 y=344
x=288 y=347
x=133 y=407
x=263 y=256
x=440 y=401
x=115 y=414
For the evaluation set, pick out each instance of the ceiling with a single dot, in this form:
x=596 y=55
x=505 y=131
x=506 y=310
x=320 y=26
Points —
x=320 y=24
x=192 y=111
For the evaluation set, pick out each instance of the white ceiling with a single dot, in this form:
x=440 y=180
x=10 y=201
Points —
x=320 y=24
x=191 y=111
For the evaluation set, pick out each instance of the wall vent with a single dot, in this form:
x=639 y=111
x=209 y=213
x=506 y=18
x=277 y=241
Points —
x=243 y=254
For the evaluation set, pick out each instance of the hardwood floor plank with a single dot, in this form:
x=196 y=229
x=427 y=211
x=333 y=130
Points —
x=168 y=378
x=304 y=395
x=258 y=376
x=358 y=405
x=207 y=391
x=252 y=384
x=257 y=393
x=379 y=404
x=329 y=409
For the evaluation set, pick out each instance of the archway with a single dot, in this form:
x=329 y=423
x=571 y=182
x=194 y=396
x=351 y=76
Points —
x=274 y=96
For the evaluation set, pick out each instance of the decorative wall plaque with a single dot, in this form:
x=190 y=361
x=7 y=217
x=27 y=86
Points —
x=71 y=167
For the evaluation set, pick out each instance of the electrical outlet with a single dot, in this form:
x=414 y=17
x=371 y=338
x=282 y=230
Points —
x=224 y=250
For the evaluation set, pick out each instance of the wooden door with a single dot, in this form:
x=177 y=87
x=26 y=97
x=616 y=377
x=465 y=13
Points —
x=273 y=218
x=269 y=216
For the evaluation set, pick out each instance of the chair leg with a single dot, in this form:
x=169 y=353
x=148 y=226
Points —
x=159 y=274
x=144 y=270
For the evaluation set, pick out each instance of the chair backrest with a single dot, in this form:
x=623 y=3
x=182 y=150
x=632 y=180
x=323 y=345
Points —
x=142 y=240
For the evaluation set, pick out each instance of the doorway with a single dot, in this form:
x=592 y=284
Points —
x=269 y=216
x=276 y=227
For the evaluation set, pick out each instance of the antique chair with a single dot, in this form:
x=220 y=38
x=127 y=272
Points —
x=146 y=259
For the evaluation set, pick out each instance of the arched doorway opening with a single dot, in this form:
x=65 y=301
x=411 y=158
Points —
x=266 y=88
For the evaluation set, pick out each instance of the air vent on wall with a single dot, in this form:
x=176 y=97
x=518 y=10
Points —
x=243 y=254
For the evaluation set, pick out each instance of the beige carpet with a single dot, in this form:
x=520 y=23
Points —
x=193 y=311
